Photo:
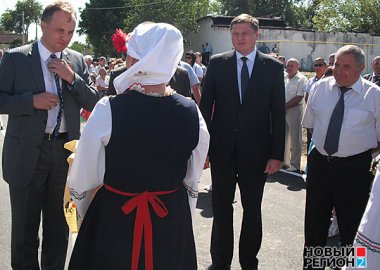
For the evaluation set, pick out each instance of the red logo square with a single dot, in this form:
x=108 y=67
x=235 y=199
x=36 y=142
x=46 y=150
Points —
x=361 y=252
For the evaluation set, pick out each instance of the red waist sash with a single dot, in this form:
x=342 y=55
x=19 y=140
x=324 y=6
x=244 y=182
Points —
x=143 y=223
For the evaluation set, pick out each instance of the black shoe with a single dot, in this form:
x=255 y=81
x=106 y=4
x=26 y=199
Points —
x=213 y=267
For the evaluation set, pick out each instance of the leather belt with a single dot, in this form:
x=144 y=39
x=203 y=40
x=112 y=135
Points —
x=50 y=136
x=333 y=159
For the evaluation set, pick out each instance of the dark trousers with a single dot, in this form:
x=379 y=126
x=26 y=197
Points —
x=251 y=185
x=341 y=183
x=44 y=193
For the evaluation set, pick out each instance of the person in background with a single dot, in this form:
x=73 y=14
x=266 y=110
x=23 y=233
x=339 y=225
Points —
x=101 y=63
x=331 y=59
x=43 y=87
x=243 y=103
x=344 y=113
x=198 y=60
x=88 y=60
x=295 y=84
x=145 y=148
x=190 y=58
x=375 y=75
x=102 y=81
x=194 y=81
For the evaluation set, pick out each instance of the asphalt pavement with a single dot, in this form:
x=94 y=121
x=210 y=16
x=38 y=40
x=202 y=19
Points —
x=283 y=213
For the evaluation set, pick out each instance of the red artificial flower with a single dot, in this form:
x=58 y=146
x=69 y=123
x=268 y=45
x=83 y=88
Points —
x=119 y=40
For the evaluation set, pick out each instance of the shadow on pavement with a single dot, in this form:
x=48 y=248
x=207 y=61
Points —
x=204 y=203
x=294 y=183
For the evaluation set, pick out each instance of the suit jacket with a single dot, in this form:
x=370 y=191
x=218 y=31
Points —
x=114 y=73
x=254 y=129
x=369 y=77
x=21 y=77
x=179 y=82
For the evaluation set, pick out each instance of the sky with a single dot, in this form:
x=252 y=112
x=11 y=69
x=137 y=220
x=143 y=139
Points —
x=10 y=4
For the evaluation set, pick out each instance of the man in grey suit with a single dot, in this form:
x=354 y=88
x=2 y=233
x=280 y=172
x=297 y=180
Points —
x=243 y=105
x=44 y=86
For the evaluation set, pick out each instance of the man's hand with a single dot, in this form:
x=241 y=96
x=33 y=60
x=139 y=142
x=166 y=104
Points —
x=62 y=68
x=273 y=166
x=45 y=101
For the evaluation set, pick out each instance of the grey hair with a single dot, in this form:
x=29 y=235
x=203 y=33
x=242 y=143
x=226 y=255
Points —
x=355 y=51
x=87 y=57
x=293 y=60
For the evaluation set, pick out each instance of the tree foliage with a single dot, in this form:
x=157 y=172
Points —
x=99 y=22
x=25 y=13
x=99 y=25
x=348 y=15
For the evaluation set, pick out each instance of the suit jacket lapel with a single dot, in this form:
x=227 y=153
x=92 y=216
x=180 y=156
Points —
x=65 y=56
x=36 y=69
x=232 y=72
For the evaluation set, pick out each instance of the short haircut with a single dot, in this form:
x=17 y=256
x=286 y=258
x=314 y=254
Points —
x=246 y=18
x=320 y=59
x=87 y=57
x=293 y=60
x=64 y=6
x=375 y=58
x=355 y=51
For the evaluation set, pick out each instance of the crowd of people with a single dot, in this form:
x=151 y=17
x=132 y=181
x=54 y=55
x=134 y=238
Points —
x=156 y=122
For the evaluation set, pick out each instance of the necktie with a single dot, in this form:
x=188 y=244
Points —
x=60 y=95
x=376 y=79
x=335 y=125
x=244 y=77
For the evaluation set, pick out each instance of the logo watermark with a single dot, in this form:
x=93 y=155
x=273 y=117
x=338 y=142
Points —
x=335 y=257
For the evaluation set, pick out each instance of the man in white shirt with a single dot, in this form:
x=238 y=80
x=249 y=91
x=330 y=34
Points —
x=295 y=84
x=344 y=113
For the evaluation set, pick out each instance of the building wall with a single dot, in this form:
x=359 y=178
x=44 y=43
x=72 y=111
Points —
x=302 y=45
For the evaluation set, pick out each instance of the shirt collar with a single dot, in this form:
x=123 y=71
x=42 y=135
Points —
x=251 y=56
x=357 y=86
x=45 y=53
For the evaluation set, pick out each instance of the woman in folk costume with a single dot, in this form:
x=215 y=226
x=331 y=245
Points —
x=368 y=234
x=145 y=148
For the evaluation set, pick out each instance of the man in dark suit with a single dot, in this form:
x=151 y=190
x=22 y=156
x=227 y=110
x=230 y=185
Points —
x=243 y=105
x=375 y=76
x=43 y=87
x=179 y=82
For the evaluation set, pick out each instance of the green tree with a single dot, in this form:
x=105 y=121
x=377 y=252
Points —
x=257 y=8
x=348 y=16
x=81 y=47
x=100 y=24
x=25 y=13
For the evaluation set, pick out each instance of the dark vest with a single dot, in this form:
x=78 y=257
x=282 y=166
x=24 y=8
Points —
x=151 y=142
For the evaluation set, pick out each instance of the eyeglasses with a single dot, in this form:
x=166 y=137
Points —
x=318 y=65
x=188 y=57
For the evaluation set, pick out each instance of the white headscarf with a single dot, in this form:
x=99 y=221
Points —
x=159 y=48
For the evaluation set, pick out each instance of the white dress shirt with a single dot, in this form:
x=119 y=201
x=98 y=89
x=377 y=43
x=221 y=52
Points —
x=51 y=87
x=295 y=86
x=250 y=61
x=88 y=168
x=361 y=122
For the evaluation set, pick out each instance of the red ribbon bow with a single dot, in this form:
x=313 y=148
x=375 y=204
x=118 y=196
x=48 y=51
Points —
x=143 y=223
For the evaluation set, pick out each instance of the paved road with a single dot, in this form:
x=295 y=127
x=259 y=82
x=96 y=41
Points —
x=283 y=210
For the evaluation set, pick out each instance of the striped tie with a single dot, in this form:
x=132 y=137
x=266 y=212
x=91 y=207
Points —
x=60 y=95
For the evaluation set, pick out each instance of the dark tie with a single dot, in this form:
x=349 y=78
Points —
x=335 y=125
x=244 y=77
x=376 y=79
x=60 y=95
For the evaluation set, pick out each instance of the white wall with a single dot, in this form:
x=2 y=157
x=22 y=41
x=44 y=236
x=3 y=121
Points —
x=303 y=45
